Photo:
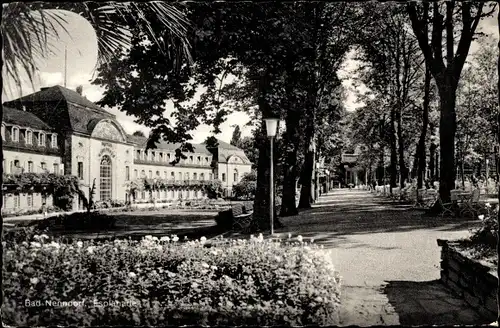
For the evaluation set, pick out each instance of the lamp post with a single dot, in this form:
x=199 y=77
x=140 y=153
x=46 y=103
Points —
x=271 y=127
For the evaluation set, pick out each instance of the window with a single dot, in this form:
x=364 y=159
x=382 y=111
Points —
x=206 y=160
x=190 y=159
x=29 y=137
x=143 y=174
x=165 y=174
x=209 y=176
x=172 y=175
x=3 y=132
x=180 y=176
x=196 y=194
x=235 y=175
x=172 y=194
x=54 y=141
x=56 y=168
x=43 y=166
x=29 y=199
x=30 y=166
x=138 y=154
x=41 y=140
x=153 y=156
x=148 y=155
x=150 y=174
x=202 y=176
x=80 y=170
x=160 y=157
x=223 y=177
x=186 y=175
x=168 y=157
x=198 y=160
x=15 y=134
x=158 y=174
x=136 y=174
x=127 y=173
x=44 y=199
x=17 y=201
x=105 y=178
x=143 y=195
x=195 y=176
x=158 y=194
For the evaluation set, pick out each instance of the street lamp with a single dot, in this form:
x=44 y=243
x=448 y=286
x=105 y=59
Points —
x=271 y=127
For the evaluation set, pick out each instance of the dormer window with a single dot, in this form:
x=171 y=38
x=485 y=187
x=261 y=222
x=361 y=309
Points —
x=41 y=140
x=29 y=137
x=15 y=134
x=54 y=141
x=153 y=156
x=190 y=159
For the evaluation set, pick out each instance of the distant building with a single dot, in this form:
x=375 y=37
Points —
x=58 y=130
x=349 y=162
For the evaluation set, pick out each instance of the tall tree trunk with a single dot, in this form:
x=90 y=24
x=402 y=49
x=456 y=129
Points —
x=288 y=203
x=306 y=192
x=423 y=134
x=432 y=156
x=447 y=129
x=394 y=161
x=498 y=151
x=401 y=154
x=414 y=169
x=380 y=167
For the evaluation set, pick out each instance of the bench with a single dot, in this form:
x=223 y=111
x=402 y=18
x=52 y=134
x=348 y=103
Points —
x=236 y=217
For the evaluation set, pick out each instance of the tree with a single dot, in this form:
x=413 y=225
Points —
x=138 y=133
x=236 y=139
x=245 y=189
x=445 y=17
x=213 y=189
x=30 y=30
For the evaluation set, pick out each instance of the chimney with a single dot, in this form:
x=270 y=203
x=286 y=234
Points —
x=44 y=88
x=79 y=89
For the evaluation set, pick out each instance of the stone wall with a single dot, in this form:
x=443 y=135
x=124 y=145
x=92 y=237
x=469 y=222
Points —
x=475 y=283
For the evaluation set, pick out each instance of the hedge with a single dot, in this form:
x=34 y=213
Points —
x=164 y=282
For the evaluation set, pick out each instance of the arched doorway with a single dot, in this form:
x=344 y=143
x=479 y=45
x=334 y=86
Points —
x=105 y=178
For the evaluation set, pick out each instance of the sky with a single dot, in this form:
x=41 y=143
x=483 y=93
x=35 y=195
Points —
x=81 y=47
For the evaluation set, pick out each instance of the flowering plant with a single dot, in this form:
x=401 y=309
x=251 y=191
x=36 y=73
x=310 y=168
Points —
x=161 y=281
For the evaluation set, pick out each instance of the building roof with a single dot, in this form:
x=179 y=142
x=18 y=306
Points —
x=67 y=109
x=22 y=118
x=58 y=92
x=163 y=145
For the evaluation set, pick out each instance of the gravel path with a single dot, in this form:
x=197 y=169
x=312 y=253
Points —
x=388 y=257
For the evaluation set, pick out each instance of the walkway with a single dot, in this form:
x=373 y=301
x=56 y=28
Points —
x=388 y=258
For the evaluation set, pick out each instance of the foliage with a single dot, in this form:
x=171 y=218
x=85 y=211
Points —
x=158 y=281
x=213 y=189
x=487 y=234
x=30 y=30
x=245 y=189
x=62 y=187
x=236 y=138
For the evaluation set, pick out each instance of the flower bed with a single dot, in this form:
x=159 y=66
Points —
x=475 y=282
x=162 y=282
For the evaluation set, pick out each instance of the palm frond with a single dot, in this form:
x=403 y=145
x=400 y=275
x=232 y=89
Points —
x=29 y=36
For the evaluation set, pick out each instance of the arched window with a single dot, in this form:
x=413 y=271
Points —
x=29 y=137
x=172 y=175
x=158 y=174
x=143 y=174
x=105 y=176
x=235 y=175
x=195 y=176
x=186 y=176
x=41 y=139
x=180 y=176
x=54 y=141
x=15 y=134
x=202 y=176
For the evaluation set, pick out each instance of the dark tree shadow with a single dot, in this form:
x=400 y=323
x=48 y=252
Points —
x=429 y=303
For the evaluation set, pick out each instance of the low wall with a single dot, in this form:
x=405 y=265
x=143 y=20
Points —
x=477 y=284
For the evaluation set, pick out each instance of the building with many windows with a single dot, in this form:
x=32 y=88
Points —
x=58 y=130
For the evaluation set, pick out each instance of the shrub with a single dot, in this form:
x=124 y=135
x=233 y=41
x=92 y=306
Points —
x=487 y=234
x=157 y=282
x=245 y=189
x=89 y=221
x=213 y=189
